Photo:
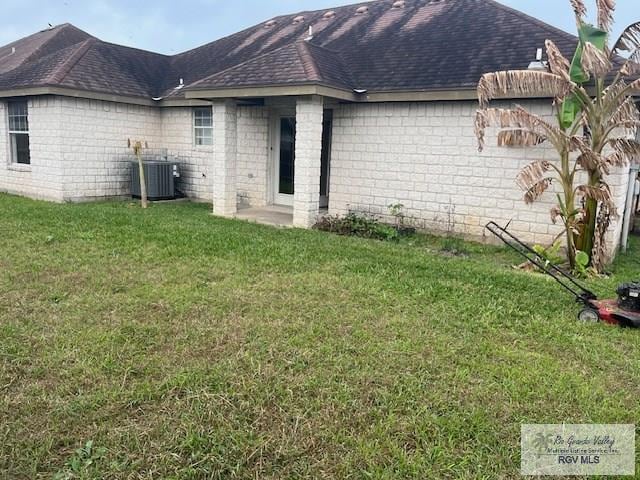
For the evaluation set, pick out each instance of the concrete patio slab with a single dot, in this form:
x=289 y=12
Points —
x=273 y=215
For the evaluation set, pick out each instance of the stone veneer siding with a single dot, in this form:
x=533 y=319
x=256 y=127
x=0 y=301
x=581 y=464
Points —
x=79 y=150
x=196 y=161
x=425 y=156
x=95 y=155
x=43 y=179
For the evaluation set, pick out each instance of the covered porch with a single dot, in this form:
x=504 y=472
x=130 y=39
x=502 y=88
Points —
x=294 y=184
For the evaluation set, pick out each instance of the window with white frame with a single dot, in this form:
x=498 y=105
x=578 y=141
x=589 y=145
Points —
x=19 y=132
x=203 y=126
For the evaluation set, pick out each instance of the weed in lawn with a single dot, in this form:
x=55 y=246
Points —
x=82 y=463
x=357 y=225
x=454 y=246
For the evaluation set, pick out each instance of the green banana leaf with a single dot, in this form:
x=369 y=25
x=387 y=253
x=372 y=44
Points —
x=586 y=33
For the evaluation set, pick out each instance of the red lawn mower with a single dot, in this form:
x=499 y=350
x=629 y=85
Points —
x=623 y=311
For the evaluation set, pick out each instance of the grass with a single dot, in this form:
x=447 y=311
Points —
x=171 y=344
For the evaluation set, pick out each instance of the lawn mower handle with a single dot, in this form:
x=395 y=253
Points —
x=567 y=282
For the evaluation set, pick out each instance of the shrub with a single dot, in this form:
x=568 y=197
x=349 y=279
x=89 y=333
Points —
x=357 y=225
x=551 y=255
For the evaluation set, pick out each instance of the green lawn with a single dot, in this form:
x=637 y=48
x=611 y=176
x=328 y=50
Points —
x=187 y=346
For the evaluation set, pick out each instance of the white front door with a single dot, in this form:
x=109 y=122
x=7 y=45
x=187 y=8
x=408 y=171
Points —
x=285 y=160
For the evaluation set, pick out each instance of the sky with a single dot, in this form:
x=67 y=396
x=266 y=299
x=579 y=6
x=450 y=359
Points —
x=172 y=26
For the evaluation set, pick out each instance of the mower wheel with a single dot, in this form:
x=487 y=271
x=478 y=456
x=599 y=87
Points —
x=589 y=315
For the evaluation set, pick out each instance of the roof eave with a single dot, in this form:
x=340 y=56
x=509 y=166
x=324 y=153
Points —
x=258 y=91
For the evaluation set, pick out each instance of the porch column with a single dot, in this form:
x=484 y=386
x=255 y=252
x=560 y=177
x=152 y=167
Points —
x=225 y=146
x=306 y=200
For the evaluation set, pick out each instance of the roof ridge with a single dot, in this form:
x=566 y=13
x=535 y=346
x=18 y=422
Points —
x=58 y=75
x=58 y=30
x=237 y=65
x=308 y=62
x=151 y=52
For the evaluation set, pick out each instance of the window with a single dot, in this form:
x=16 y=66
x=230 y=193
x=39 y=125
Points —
x=19 y=132
x=203 y=126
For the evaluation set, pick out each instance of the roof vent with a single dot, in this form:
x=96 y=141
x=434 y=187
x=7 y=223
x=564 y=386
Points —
x=329 y=14
x=398 y=4
x=362 y=10
x=181 y=85
x=270 y=23
x=298 y=19
x=539 y=65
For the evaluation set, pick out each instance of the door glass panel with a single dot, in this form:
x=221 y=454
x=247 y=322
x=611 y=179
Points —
x=287 y=155
x=327 y=126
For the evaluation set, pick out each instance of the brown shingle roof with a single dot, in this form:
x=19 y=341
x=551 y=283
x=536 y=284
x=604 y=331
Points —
x=39 y=45
x=423 y=45
x=296 y=63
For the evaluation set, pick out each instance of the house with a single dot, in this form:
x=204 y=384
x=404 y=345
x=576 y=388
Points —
x=353 y=108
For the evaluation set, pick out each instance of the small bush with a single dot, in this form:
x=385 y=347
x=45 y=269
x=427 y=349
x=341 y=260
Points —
x=550 y=255
x=357 y=225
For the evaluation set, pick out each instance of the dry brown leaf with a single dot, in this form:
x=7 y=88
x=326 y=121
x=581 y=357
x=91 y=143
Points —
x=595 y=61
x=629 y=41
x=519 y=138
x=522 y=83
x=601 y=194
x=625 y=151
x=579 y=8
x=590 y=160
x=605 y=14
x=532 y=174
x=555 y=214
x=557 y=62
x=537 y=190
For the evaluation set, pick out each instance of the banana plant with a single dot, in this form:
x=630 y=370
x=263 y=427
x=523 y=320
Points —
x=595 y=119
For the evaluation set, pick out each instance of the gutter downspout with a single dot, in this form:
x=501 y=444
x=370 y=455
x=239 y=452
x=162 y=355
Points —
x=628 y=213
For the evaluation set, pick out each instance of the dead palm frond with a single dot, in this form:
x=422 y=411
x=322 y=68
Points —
x=519 y=138
x=518 y=118
x=626 y=115
x=630 y=68
x=521 y=84
x=557 y=62
x=589 y=160
x=555 y=213
x=532 y=174
x=595 y=61
x=599 y=252
x=625 y=151
x=536 y=190
x=601 y=194
x=579 y=8
x=605 y=14
x=629 y=40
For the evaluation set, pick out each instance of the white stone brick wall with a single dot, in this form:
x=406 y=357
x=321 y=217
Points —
x=43 y=179
x=196 y=161
x=424 y=156
x=79 y=150
x=95 y=155
x=225 y=155
x=253 y=155
x=309 y=116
